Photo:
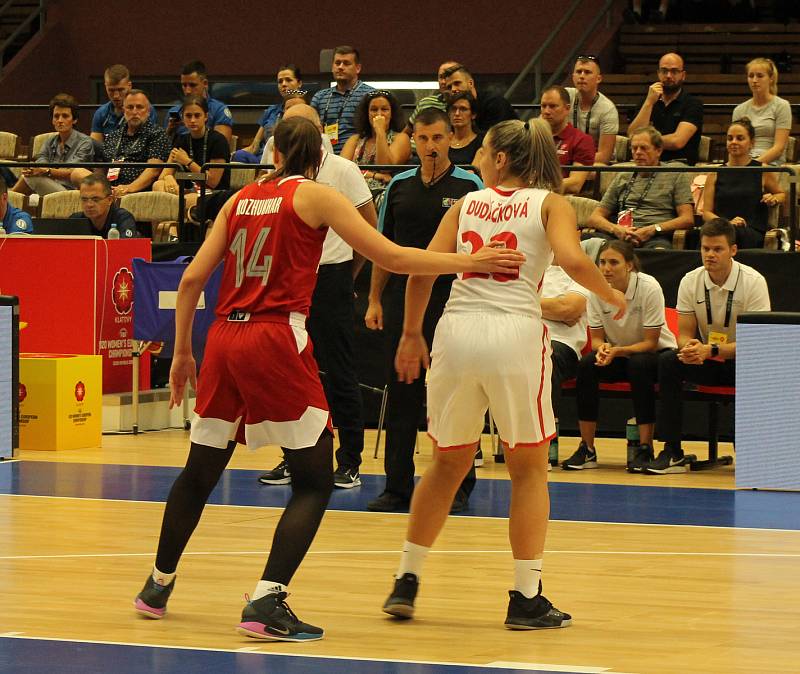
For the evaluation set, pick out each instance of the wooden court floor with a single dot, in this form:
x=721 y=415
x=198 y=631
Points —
x=79 y=538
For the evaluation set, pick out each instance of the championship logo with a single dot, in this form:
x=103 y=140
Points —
x=23 y=392
x=80 y=391
x=122 y=291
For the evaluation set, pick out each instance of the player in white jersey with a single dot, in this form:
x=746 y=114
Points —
x=491 y=349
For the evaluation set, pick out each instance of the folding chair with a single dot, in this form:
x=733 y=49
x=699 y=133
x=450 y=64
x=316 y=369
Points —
x=155 y=291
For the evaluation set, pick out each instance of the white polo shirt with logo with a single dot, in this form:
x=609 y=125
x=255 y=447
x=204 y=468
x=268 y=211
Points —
x=645 y=310
x=748 y=289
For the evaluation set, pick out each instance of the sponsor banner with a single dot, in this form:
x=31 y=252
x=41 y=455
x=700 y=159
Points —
x=76 y=296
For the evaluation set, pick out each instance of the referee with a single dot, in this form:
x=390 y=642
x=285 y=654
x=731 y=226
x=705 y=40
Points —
x=414 y=203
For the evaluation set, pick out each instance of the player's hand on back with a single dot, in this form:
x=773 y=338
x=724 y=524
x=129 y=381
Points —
x=493 y=258
x=411 y=353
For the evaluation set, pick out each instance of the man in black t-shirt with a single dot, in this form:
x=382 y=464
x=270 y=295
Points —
x=491 y=109
x=414 y=203
x=677 y=115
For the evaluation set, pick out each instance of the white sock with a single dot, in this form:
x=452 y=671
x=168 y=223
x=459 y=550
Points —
x=412 y=559
x=265 y=587
x=162 y=578
x=527 y=574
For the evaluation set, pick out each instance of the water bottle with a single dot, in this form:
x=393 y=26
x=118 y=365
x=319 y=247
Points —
x=552 y=453
x=113 y=233
x=632 y=436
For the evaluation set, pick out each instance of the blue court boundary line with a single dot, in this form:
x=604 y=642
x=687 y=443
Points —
x=134 y=656
x=577 y=502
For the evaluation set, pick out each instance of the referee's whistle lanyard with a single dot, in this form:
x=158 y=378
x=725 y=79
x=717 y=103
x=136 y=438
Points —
x=728 y=304
x=588 y=114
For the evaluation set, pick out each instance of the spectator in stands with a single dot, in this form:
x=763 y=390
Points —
x=564 y=313
x=109 y=116
x=770 y=115
x=437 y=100
x=414 y=204
x=379 y=138
x=191 y=150
x=491 y=109
x=675 y=113
x=97 y=204
x=573 y=146
x=337 y=105
x=289 y=79
x=709 y=300
x=139 y=141
x=593 y=112
x=742 y=197
x=625 y=350
x=466 y=144
x=194 y=81
x=67 y=146
x=13 y=220
x=645 y=207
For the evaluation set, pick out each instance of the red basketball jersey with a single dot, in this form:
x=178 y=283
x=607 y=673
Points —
x=272 y=258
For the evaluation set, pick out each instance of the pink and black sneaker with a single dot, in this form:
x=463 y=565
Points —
x=271 y=618
x=151 y=602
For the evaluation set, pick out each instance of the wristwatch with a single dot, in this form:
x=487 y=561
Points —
x=658 y=229
x=715 y=350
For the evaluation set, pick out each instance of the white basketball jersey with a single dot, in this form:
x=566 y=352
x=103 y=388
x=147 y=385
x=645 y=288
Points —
x=513 y=217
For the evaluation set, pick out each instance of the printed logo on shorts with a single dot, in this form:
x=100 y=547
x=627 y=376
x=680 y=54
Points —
x=239 y=316
x=21 y=224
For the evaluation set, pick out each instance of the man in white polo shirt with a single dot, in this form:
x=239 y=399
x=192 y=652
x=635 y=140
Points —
x=331 y=322
x=709 y=300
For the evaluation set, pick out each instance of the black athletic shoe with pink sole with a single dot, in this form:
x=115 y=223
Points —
x=271 y=618
x=151 y=602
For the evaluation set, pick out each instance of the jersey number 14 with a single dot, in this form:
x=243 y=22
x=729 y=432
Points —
x=253 y=268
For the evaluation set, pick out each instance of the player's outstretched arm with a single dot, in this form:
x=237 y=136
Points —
x=319 y=205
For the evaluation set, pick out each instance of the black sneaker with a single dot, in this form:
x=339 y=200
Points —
x=536 y=613
x=670 y=461
x=642 y=457
x=388 y=503
x=151 y=602
x=583 y=458
x=346 y=478
x=278 y=475
x=271 y=618
x=401 y=602
x=478 y=461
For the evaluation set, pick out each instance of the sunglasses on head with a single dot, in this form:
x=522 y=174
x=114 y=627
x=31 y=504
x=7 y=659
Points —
x=587 y=57
x=379 y=94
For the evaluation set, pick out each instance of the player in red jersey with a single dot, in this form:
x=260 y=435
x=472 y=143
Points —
x=491 y=350
x=259 y=382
